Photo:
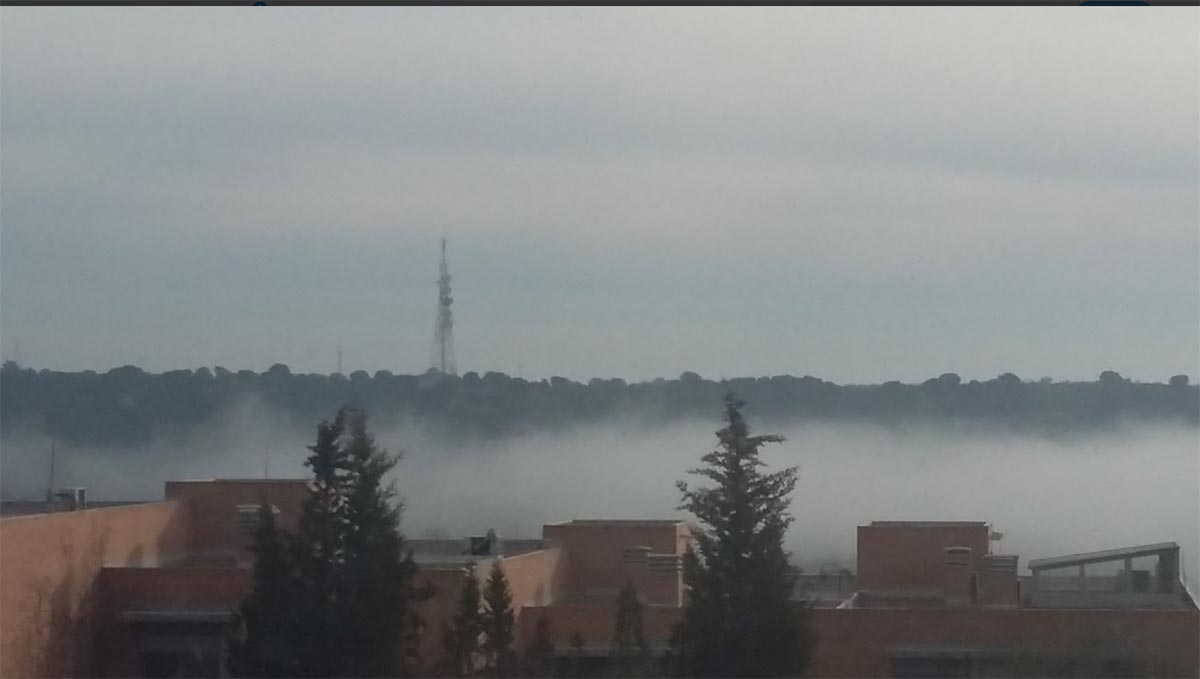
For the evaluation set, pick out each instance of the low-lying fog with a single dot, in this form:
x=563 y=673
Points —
x=1049 y=497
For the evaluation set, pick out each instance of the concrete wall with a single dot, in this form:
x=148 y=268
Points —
x=910 y=556
x=854 y=642
x=48 y=568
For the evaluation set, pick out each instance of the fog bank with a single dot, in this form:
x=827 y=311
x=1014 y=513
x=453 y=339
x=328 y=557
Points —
x=1048 y=496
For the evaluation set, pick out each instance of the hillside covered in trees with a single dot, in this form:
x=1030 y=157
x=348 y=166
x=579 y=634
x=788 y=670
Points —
x=127 y=406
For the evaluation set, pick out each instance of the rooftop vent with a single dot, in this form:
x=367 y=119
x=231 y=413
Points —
x=665 y=563
x=75 y=498
x=636 y=554
x=958 y=556
x=487 y=545
x=248 y=518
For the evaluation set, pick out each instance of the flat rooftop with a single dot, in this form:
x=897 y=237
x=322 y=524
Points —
x=12 y=508
x=621 y=522
x=257 y=481
x=448 y=562
x=925 y=524
x=455 y=553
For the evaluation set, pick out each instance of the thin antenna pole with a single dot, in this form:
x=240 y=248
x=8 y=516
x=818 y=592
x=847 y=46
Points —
x=50 y=489
x=267 y=462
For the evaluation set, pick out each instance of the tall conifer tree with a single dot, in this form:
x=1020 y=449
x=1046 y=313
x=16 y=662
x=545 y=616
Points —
x=336 y=598
x=380 y=624
x=739 y=620
x=319 y=556
x=267 y=649
x=460 y=639
x=498 y=623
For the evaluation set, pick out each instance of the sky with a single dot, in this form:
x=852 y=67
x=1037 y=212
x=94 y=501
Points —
x=859 y=194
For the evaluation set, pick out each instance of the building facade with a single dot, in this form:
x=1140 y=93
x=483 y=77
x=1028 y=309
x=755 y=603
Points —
x=153 y=589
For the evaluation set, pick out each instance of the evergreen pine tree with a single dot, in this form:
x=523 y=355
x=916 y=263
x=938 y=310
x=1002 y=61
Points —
x=739 y=620
x=336 y=598
x=630 y=653
x=380 y=622
x=461 y=637
x=266 y=649
x=498 y=622
x=319 y=553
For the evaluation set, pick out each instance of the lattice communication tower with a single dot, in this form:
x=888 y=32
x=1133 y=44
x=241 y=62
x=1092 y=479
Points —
x=443 y=333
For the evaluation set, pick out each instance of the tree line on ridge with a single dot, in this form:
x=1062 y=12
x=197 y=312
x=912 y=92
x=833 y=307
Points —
x=128 y=406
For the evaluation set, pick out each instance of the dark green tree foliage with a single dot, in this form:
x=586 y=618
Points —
x=498 y=622
x=336 y=598
x=267 y=648
x=320 y=555
x=539 y=654
x=461 y=637
x=382 y=627
x=630 y=652
x=739 y=620
x=672 y=662
x=129 y=406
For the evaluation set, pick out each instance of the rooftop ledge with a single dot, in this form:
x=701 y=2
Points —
x=621 y=522
x=927 y=524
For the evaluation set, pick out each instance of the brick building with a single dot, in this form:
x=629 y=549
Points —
x=932 y=600
x=152 y=589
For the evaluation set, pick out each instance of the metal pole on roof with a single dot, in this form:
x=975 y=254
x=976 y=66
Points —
x=50 y=489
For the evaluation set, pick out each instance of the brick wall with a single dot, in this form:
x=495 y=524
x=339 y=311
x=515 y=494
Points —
x=596 y=623
x=854 y=642
x=596 y=556
x=536 y=578
x=122 y=589
x=436 y=612
x=48 y=568
x=910 y=556
x=217 y=502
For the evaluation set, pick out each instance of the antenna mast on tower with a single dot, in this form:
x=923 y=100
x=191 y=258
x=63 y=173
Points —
x=443 y=334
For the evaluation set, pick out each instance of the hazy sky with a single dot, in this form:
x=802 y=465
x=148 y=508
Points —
x=859 y=194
